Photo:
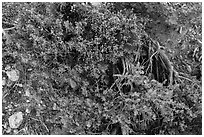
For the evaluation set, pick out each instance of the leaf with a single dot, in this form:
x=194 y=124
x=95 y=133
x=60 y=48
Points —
x=3 y=81
x=72 y=83
x=89 y=123
x=189 y=68
x=13 y=75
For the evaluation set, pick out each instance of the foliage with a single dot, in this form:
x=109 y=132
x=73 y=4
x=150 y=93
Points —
x=82 y=68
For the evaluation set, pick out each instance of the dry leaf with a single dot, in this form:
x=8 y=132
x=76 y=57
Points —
x=72 y=83
x=189 y=68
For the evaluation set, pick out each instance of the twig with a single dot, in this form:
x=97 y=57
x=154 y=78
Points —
x=41 y=123
x=114 y=83
x=200 y=42
x=45 y=126
x=184 y=78
x=6 y=29
x=124 y=68
x=4 y=22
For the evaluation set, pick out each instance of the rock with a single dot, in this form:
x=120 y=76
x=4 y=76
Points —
x=15 y=120
x=13 y=75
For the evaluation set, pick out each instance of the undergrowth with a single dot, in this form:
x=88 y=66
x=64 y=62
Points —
x=82 y=69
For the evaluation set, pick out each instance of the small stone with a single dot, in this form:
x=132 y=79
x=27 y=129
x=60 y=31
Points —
x=13 y=75
x=15 y=120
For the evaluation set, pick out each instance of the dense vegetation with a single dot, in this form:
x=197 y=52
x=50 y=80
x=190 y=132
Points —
x=101 y=68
